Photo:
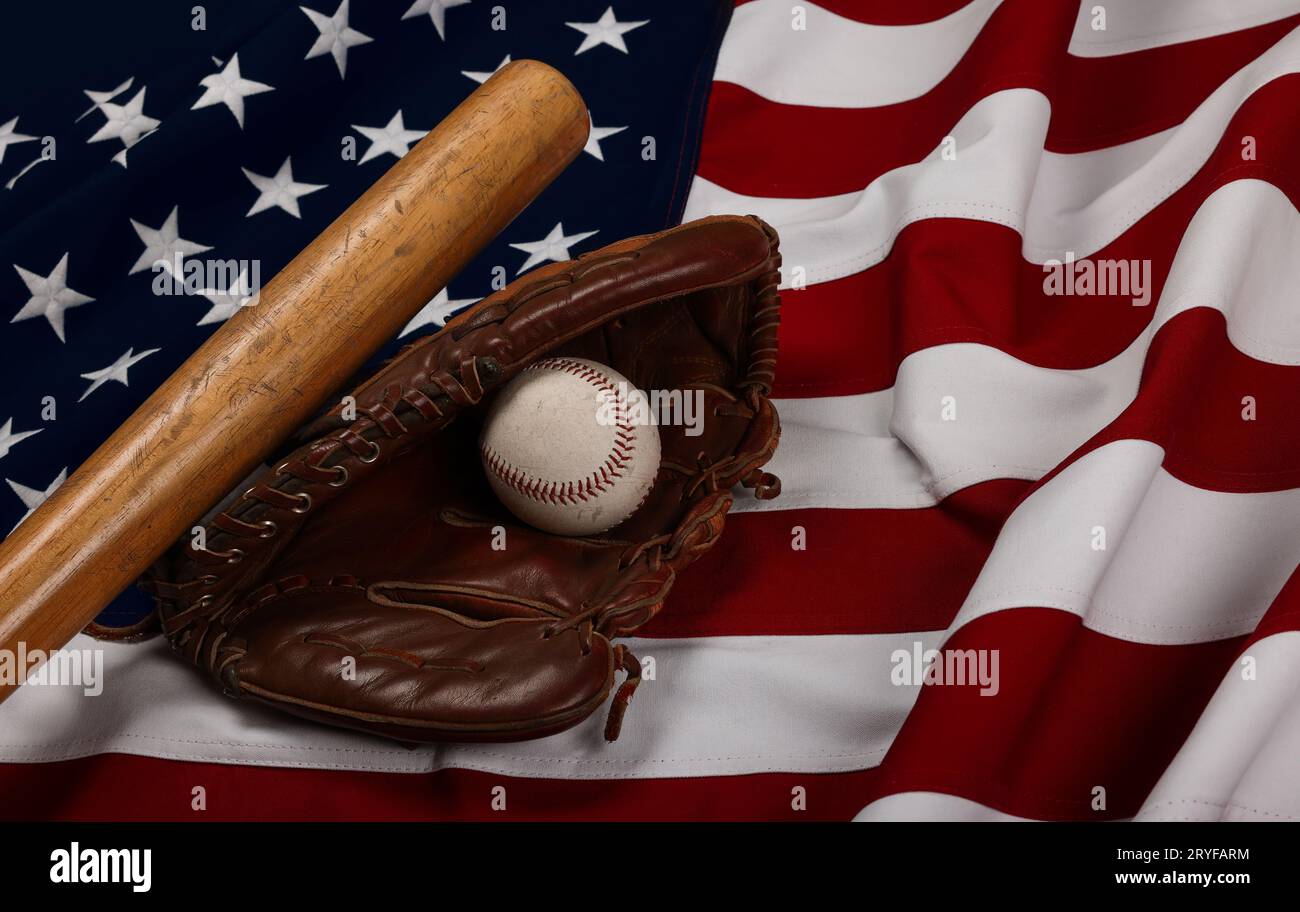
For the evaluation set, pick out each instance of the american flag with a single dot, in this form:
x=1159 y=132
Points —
x=1038 y=382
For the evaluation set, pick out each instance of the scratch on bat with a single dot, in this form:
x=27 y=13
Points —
x=467 y=170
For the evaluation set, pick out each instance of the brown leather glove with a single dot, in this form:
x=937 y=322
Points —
x=356 y=582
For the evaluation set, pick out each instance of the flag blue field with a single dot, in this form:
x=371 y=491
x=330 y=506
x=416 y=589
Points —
x=134 y=133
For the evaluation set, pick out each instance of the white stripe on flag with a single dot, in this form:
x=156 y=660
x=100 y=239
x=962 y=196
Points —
x=1238 y=256
x=1137 y=25
x=1180 y=564
x=835 y=62
x=1242 y=761
x=928 y=806
x=894 y=448
x=718 y=706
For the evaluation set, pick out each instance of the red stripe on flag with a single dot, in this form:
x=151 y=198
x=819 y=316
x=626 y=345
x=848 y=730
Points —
x=764 y=148
x=955 y=280
x=1190 y=402
x=864 y=571
x=119 y=787
x=1076 y=711
x=888 y=12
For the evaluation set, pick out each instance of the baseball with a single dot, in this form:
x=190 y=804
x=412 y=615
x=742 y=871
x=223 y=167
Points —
x=561 y=451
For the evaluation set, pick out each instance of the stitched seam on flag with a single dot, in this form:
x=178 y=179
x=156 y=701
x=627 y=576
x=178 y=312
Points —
x=1094 y=608
x=1089 y=594
x=1223 y=805
x=45 y=754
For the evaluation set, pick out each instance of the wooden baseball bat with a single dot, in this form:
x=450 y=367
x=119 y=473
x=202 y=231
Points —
x=272 y=365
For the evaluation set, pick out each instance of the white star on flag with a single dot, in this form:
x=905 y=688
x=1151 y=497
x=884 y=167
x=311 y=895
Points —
x=555 y=246
x=230 y=89
x=126 y=122
x=163 y=243
x=393 y=139
x=436 y=312
x=280 y=191
x=100 y=97
x=227 y=301
x=595 y=135
x=51 y=296
x=115 y=371
x=335 y=36
x=437 y=11
x=8 y=137
x=605 y=30
x=8 y=439
x=481 y=76
x=32 y=498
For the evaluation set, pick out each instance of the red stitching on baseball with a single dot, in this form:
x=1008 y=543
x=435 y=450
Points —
x=602 y=478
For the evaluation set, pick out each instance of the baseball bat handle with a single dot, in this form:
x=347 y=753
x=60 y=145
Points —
x=272 y=365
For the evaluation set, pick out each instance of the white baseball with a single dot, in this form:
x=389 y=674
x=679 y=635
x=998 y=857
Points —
x=561 y=451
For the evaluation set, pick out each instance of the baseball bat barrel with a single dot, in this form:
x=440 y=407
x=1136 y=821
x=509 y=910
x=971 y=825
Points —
x=273 y=364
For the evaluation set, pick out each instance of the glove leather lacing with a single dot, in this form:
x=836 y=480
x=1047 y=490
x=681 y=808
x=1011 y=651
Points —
x=586 y=621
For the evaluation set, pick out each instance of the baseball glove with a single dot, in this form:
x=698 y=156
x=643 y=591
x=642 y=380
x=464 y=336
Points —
x=357 y=582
